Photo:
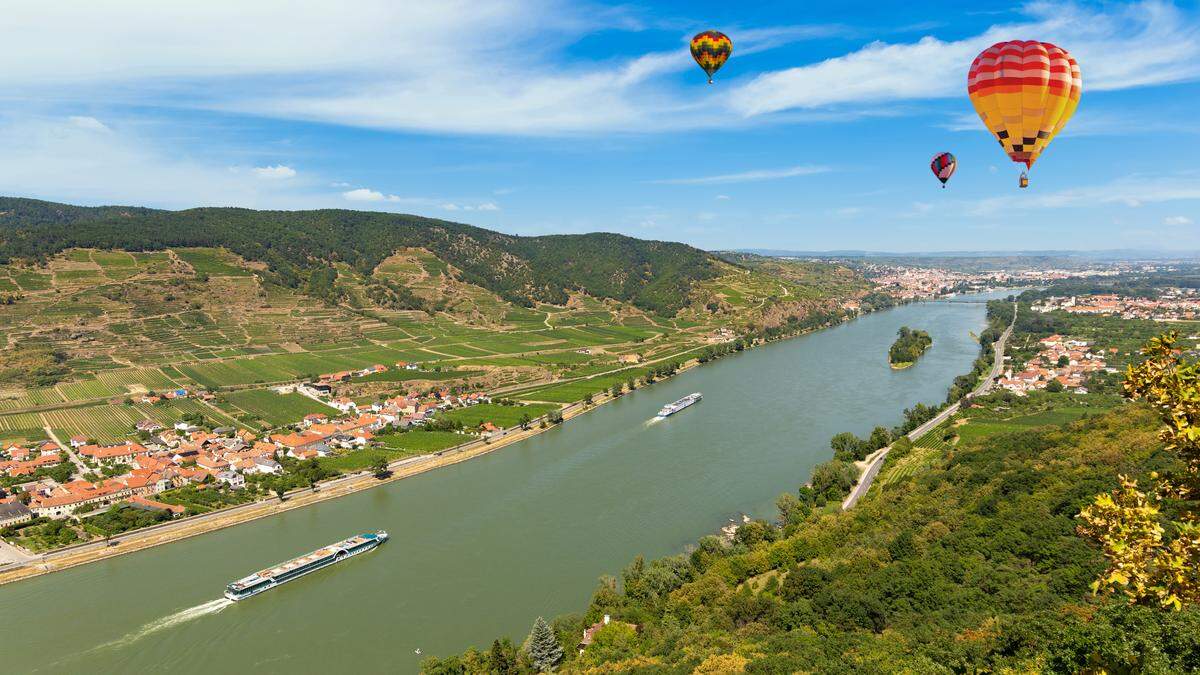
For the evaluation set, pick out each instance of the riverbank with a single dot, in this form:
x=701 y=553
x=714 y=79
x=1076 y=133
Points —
x=482 y=547
x=137 y=540
x=870 y=466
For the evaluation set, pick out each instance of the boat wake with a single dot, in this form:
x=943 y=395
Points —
x=182 y=616
x=653 y=420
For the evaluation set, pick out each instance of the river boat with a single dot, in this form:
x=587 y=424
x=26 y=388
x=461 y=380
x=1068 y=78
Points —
x=672 y=408
x=310 y=562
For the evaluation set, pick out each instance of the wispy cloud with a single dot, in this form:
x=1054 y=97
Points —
x=276 y=172
x=1177 y=221
x=745 y=176
x=1132 y=191
x=1136 y=45
x=89 y=123
x=485 y=206
x=503 y=67
x=82 y=160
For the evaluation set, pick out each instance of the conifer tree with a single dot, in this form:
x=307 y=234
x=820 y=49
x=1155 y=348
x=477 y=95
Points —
x=543 y=647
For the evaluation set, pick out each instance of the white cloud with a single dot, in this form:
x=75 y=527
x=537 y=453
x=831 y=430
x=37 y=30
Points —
x=1177 y=220
x=745 y=176
x=1137 y=45
x=89 y=123
x=485 y=206
x=505 y=67
x=722 y=198
x=1132 y=191
x=276 y=172
x=368 y=195
x=67 y=159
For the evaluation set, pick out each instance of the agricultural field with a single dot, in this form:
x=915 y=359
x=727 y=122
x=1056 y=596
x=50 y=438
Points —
x=503 y=416
x=360 y=460
x=21 y=427
x=212 y=262
x=273 y=408
x=104 y=423
x=422 y=442
x=169 y=412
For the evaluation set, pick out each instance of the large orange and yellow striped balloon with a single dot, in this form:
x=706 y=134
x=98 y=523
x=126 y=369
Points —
x=1024 y=91
x=711 y=49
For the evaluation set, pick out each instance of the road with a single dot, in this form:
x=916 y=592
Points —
x=79 y=465
x=876 y=461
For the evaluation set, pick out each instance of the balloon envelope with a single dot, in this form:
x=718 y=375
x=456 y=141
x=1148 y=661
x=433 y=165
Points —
x=711 y=49
x=943 y=166
x=1024 y=91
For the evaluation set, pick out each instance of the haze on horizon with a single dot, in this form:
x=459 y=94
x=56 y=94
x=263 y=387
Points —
x=539 y=116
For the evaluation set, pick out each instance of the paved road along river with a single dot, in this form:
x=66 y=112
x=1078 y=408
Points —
x=481 y=548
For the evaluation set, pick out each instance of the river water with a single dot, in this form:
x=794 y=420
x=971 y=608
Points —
x=480 y=549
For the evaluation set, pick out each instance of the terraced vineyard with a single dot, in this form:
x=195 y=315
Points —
x=275 y=409
x=127 y=323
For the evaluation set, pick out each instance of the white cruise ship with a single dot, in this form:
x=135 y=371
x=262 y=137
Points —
x=297 y=567
x=672 y=408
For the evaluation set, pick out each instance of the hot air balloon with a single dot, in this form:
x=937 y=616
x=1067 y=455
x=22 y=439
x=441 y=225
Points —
x=943 y=166
x=711 y=49
x=1024 y=91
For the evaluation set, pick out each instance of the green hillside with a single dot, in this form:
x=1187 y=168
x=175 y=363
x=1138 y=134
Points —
x=299 y=247
x=971 y=564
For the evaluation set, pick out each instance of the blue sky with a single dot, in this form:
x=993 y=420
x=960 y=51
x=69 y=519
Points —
x=537 y=116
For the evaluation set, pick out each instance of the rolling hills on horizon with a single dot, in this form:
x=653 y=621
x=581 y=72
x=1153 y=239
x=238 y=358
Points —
x=298 y=248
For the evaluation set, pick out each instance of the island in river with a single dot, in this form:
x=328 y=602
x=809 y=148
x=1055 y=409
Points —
x=910 y=344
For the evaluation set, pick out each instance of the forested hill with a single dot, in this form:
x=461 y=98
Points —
x=294 y=245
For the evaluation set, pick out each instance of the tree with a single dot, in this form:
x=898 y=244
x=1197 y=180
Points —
x=542 y=646
x=1054 y=387
x=792 y=511
x=379 y=468
x=846 y=446
x=1129 y=523
x=525 y=419
x=502 y=658
x=880 y=437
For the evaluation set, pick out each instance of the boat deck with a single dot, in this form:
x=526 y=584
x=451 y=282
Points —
x=312 y=557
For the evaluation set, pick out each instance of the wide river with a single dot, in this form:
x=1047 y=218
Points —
x=480 y=549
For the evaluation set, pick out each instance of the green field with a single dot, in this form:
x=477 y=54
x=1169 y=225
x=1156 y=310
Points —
x=21 y=426
x=420 y=442
x=286 y=367
x=211 y=262
x=569 y=392
x=276 y=409
x=503 y=416
x=105 y=423
x=989 y=426
x=402 y=375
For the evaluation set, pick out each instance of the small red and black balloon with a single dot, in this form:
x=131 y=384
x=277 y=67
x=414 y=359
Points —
x=943 y=166
x=711 y=49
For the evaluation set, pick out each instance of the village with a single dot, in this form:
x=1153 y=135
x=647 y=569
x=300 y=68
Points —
x=1061 y=364
x=78 y=477
x=1172 y=304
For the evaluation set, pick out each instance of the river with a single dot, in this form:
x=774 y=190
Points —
x=480 y=549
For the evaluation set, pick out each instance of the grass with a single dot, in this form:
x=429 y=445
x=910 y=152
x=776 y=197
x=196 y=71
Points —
x=421 y=442
x=503 y=416
x=276 y=409
x=285 y=367
x=211 y=262
x=358 y=460
x=401 y=375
